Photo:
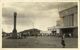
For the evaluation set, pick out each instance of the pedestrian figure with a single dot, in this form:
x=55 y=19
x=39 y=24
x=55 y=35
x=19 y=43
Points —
x=63 y=41
x=63 y=36
x=70 y=35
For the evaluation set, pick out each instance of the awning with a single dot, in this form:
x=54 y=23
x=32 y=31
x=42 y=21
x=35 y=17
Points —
x=67 y=27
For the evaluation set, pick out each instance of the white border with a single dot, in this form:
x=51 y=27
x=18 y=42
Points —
x=38 y=1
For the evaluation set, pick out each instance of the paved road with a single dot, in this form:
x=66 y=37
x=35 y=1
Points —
x=39 y=42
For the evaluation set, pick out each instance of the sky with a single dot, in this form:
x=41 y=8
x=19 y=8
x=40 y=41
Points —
x=40 y=15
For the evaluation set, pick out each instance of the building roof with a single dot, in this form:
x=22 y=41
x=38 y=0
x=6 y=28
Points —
x=68 y=27
x=30 y=30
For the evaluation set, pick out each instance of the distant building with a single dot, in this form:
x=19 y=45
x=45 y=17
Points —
x=70 y=21
x=45 y=33
x=4 y=34
x=30 y=32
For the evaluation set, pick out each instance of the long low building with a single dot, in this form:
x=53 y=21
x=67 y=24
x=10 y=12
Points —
x=29 y=32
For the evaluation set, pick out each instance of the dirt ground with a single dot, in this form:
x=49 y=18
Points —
x=39 y=42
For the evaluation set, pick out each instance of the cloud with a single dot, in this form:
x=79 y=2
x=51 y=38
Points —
x=40 y=14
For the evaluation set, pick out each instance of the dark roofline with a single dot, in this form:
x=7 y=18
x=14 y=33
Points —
x=29 y=30
x=68 y=8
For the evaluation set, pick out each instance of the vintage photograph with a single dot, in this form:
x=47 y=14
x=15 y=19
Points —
x=40 y=25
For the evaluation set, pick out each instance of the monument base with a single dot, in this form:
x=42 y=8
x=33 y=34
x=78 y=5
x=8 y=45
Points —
x=14 y=34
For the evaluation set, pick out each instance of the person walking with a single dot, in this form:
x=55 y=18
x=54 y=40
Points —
x=63 y=41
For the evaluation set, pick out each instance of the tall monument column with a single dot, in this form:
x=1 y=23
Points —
x=14 y=35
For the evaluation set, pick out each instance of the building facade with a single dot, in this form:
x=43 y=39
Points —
x=30 y=32
x=70 y=21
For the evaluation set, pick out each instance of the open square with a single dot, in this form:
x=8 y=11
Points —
x=39 y=42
